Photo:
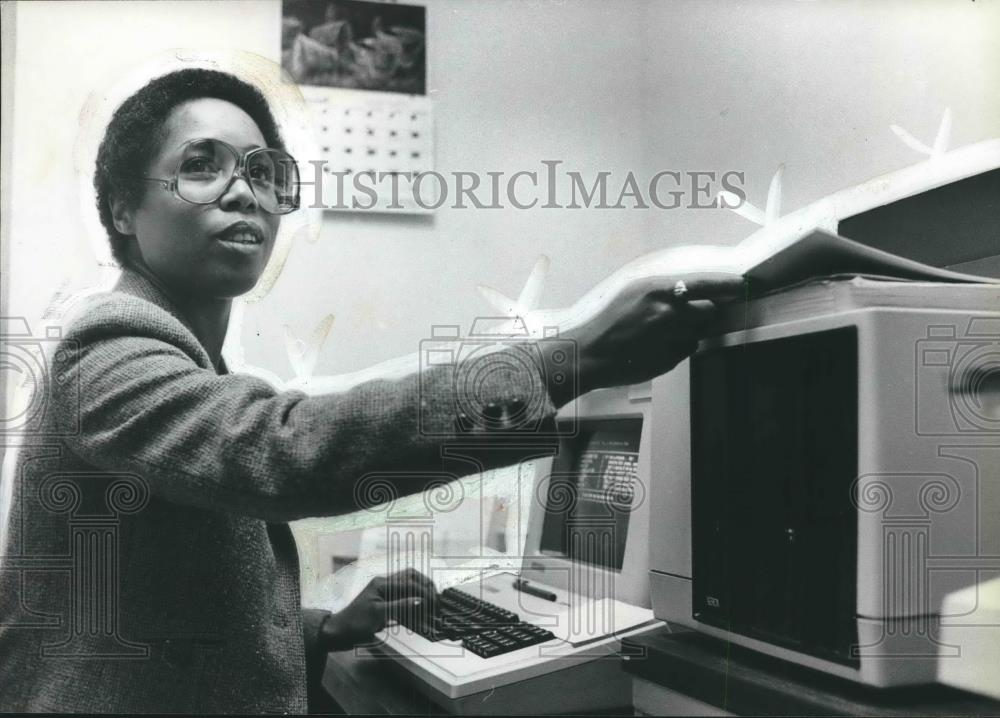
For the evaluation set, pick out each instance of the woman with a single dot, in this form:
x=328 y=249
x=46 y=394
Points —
x=149 y=565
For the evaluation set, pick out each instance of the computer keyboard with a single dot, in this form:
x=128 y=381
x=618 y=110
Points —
x=482 y=627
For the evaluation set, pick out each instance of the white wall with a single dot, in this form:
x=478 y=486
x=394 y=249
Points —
x=814 y=85
x=641 y=86
x=65 y=52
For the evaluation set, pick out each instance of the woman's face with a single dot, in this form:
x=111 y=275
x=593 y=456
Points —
x=213 y=250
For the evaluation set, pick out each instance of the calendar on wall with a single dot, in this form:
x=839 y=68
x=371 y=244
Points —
x=371 y=145
x=362 y=67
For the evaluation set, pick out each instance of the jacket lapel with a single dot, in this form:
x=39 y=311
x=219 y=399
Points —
x=138 y=285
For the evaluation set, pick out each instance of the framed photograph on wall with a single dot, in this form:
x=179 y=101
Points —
x=355 y=44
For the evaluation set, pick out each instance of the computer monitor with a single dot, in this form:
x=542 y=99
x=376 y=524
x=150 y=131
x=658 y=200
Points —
x=590 y=493
x=589 y=514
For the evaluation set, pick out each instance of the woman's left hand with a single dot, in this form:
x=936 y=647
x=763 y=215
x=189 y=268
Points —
x=384 y=598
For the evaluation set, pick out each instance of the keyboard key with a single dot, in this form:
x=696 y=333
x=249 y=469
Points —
x=505 y=639
x=485 y=650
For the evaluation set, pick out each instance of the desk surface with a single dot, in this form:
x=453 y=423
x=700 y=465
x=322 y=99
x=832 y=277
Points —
x=690 y=663
x=363 y=683
x=747 y=683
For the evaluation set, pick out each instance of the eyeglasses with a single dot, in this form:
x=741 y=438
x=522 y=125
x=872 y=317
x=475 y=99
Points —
x=208 y=168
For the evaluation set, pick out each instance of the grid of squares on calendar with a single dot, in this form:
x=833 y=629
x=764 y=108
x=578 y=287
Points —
x=363 y=137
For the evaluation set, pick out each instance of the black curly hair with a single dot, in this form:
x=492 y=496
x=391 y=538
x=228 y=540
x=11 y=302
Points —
x=135 y=131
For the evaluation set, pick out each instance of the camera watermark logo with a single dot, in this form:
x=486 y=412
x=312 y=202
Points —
x=962 y=363
x=499 y=379
x=32 y=366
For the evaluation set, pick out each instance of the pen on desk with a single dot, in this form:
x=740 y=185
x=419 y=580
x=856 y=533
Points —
x=522 y=585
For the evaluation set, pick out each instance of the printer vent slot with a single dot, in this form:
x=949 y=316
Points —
x=774 y=458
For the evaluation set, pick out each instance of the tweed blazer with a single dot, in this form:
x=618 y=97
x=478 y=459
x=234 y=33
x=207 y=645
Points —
x=148 y=564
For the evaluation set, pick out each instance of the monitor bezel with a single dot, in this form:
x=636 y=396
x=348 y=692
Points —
x=630 y=583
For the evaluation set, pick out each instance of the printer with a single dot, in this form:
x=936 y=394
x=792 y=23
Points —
x=842 y=477
x=827 y=465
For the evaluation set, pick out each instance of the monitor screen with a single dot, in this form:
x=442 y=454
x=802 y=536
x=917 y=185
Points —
x=590 y=492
